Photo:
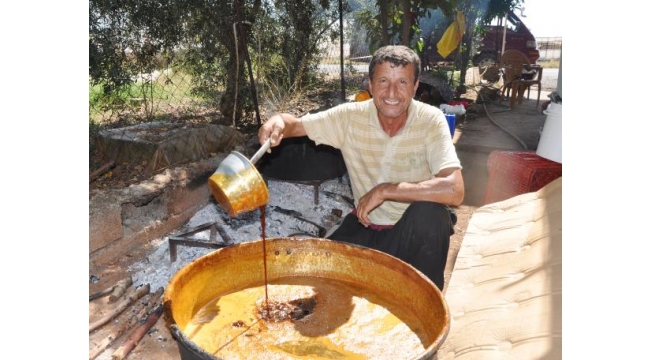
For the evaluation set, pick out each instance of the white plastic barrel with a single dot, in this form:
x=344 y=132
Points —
x=550 y=142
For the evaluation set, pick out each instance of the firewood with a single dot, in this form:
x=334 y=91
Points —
x=120 y=307
x=143 y=309
x=101 y=293
x=137 y=335
x=120 y=289
x=112 y=289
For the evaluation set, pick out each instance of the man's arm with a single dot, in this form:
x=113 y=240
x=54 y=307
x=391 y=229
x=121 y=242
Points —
x=447 y=187
x=280 y=126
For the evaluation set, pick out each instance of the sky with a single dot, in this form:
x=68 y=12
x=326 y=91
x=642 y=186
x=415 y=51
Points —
x=543 y=17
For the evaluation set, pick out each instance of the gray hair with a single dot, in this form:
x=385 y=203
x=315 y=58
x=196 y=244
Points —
x=398 y=55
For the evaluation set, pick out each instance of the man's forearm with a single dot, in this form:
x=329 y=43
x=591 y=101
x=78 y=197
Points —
x=448 y=190
x=292 y=126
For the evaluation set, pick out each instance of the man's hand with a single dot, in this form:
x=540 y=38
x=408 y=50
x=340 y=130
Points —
x=278 y=127
x=370 y=201
x=273 y=128
x=446 y=188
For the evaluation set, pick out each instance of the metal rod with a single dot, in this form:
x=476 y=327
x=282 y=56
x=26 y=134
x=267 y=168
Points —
x=261 y=151
x=183 y=239
x=174 y=242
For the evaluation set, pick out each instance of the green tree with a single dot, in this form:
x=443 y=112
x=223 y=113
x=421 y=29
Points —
x=478 y=14
x=127 y=38
x=302 y=25
x=399 y=22
x=210 y=39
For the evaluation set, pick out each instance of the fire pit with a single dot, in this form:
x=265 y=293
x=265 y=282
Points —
x=342 y=301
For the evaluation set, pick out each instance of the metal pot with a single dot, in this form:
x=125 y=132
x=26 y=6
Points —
x=237 y=185
x=241 y=266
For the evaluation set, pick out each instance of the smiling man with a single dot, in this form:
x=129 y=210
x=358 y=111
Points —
x=401 y=160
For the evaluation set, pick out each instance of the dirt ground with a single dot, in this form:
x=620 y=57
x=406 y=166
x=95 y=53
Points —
x=157 y=342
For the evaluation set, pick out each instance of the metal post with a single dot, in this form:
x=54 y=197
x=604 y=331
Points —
x=505 y=30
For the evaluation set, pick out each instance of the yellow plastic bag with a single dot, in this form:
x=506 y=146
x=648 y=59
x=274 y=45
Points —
x=452 y=36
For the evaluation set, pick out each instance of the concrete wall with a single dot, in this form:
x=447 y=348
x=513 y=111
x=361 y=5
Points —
x=124 y=220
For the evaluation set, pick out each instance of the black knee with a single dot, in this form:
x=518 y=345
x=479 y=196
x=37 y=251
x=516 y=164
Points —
x=430 y=216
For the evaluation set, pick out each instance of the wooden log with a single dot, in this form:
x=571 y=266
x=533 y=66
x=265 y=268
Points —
x=120 y=307
x=143 y=309
x=101 y=293
x=137 y=334
x=111 y=289
x=120 y=289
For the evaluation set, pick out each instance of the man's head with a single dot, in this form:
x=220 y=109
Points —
x=394 y=72
x=398 y=55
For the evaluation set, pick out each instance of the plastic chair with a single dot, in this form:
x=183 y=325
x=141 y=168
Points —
x=536 y=80
x=513 y=65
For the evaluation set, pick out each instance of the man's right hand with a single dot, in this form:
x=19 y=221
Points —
x=273 y=128
x=280 y=126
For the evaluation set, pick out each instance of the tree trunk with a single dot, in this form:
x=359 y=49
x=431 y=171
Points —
x=464 y=59
x=383 y=20
x=406 y=22
x=301 y=53
x=236 y=79
x=237 y=83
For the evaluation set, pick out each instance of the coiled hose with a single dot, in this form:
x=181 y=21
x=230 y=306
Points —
x=489 y=115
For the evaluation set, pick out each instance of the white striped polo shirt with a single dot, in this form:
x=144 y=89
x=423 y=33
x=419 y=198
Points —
x=420 y=150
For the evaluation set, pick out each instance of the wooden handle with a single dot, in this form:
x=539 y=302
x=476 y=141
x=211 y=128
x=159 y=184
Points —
x=261 y=151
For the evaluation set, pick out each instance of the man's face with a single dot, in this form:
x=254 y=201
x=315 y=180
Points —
x=392 y=89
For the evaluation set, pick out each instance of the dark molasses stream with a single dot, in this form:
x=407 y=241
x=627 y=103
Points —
x=266 y=283
x=275 y=311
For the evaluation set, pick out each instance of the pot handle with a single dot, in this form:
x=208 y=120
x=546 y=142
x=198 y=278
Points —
x=261 y=151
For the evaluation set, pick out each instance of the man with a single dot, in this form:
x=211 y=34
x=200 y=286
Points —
x=402 y=164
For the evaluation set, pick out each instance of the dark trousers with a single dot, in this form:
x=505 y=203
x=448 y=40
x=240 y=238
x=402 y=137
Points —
x=420 y=238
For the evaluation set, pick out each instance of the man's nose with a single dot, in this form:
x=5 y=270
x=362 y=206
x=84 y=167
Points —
x=392 y=89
